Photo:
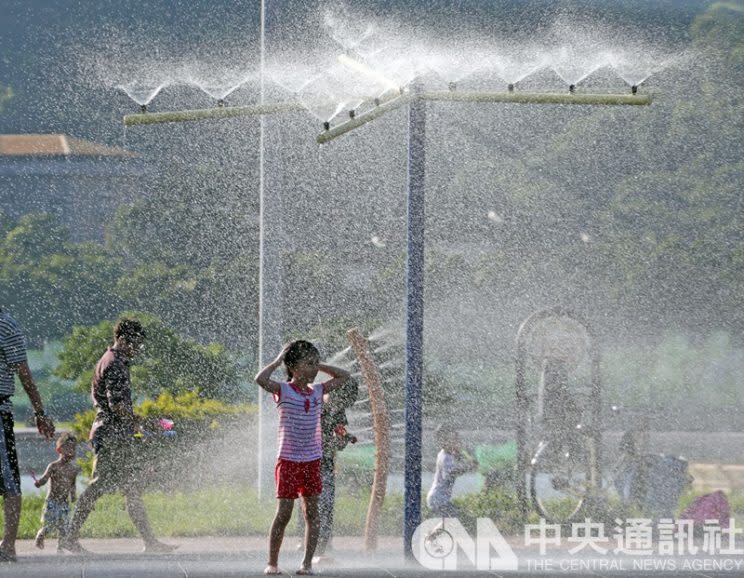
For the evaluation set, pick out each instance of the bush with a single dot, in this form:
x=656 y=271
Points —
x=195 y=417
x=499 y=505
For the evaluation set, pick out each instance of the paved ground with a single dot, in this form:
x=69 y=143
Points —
x=212 y=557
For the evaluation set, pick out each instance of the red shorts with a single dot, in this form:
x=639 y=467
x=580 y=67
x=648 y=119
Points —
x=294 y=479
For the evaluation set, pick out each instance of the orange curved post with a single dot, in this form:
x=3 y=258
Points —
x=381 y=429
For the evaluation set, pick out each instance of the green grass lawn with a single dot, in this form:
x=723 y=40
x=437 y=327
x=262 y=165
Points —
x=221 y=511
x=234 y=511
x=214 y=512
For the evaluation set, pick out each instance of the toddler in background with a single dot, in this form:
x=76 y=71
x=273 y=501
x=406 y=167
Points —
x=61 y=475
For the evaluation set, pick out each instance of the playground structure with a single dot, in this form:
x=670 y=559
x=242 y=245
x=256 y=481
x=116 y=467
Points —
x=555 y=341
x=415 y=96
x=381 y=432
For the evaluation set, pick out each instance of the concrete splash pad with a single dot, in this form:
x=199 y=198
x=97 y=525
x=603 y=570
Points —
x=236 y=556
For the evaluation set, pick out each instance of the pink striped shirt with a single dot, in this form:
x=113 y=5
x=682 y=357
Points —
x=299 y=422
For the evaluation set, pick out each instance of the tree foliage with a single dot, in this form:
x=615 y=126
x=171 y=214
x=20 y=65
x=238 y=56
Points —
x=169 y=362
x=190 y=254
x=51 y=283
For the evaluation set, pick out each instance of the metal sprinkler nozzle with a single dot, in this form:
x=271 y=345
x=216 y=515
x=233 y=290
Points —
x=571 y=88
x=452 y=86
x=221 y=102
x=326 y=125
x=143 y=108
x=352 y=113
x=634 y=89
x=376 y=101
x=510 y=87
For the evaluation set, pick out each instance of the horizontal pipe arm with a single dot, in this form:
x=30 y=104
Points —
x=363 y=118
x=211 y=113
x=538 y=97
x=485 y=97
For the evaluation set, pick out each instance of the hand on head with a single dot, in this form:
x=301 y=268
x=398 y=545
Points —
x=282 y=354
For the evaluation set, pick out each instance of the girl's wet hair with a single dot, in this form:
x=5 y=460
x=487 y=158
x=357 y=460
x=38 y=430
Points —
x=298 y=350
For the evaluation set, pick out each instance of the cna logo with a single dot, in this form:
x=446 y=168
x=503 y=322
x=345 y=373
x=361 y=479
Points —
x=439 y=544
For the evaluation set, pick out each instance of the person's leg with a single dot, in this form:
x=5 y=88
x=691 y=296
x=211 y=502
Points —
x=40 y=535
x=326 y=504
x=47 y=525
x=312 y=526
x=12 y=511
x=299 y=526
x=276 y=533
x=10 y=477
x=138 y=515
x=102 y=482
x=64 y=522
x=85 y=504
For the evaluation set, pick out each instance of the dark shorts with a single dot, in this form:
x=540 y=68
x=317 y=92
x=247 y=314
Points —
x=118 y=465
x=295 y=479
x=10 y=476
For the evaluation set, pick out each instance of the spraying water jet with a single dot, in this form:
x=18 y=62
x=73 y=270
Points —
x=414 y=96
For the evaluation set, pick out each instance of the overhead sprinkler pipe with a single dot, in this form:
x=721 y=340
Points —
x=482 y=97
x=211 y=113
x=359 y=120
x=539 y=97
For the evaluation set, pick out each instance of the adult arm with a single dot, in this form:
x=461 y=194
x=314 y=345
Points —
x=464 y=463
x=339 y=377
x=119 y=392
x=44 y=423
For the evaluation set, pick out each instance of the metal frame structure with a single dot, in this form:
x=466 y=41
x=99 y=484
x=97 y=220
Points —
x=415 y=98
x=523 y=402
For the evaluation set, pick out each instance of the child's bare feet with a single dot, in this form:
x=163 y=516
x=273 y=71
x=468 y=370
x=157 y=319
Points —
x=39 y=541
x=305 y=571
x=271 y=570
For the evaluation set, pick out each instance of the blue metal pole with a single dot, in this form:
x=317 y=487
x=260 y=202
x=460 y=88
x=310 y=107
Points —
x=414 y=317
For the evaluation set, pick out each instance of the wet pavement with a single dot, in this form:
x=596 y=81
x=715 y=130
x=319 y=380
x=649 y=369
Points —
x=231 y=556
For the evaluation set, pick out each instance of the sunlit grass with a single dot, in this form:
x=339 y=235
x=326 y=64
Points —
x=236 y=511
x=221 y=511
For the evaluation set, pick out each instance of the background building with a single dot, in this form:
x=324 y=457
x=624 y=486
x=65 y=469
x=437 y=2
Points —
x=80 y=182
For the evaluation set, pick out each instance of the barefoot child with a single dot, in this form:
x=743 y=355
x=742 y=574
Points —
x=299 y=402
x=61 y=475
